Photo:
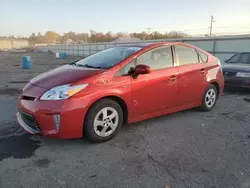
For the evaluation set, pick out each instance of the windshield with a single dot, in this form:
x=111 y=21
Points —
x=240 y=58
x=108 y=58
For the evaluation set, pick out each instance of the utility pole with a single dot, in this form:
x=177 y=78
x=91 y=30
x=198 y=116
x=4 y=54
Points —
x=86 y=37
x=211 y=25
x=149 y=29
x=92 y=33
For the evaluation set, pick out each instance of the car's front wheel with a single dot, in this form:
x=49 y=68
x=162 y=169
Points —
x=103 y=120
x=209 y=98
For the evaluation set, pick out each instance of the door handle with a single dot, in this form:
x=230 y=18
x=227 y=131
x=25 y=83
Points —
x=172 y=78
x=202 y=71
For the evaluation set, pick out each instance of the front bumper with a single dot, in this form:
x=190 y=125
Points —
x=237 y=81
x=71 y=113
x=25 y=125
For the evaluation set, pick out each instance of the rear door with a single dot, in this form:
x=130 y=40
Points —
x=192 y=75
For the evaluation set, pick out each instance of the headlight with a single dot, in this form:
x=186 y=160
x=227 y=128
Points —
x=243 y=74
x=62 y=92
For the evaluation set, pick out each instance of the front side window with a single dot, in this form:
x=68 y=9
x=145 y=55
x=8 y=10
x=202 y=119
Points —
x=108 y=58
x=124 y=71
x=234 y=59
x=186 y=55
x=158 y=58
x=240 y=58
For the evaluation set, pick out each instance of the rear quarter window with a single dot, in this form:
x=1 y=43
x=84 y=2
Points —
x=203 y=56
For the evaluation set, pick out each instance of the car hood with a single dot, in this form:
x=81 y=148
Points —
x=66 y=74
x=236 y=67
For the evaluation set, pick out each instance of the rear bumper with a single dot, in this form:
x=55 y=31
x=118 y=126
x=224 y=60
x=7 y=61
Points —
x=237 y=81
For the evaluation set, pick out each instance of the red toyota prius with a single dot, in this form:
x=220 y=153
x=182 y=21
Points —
x=94 y=96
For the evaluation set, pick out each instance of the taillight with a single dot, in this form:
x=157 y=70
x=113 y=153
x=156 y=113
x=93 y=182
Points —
x=219 y=63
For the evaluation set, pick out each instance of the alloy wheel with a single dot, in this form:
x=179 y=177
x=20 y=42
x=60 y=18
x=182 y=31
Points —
x=210 y=98
x=106 y=121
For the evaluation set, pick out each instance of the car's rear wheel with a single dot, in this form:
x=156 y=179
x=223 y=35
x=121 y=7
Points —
x=103 y=120
x=209 y=98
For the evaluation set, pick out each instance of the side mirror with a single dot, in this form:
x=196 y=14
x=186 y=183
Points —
x=142 y=69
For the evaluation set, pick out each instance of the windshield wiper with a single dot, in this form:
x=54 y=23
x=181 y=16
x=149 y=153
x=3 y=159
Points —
x=90 y=66
x=74 y=62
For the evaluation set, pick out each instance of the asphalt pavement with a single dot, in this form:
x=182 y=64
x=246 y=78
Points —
x=186 y=149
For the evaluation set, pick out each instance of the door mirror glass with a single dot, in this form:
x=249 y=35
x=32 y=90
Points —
x=142 y=69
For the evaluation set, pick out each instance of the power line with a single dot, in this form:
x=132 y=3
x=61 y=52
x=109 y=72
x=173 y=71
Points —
x=226 y=28
x=195 y=29
x=233 y=32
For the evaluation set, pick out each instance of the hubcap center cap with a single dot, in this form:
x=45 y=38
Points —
x=107 y=122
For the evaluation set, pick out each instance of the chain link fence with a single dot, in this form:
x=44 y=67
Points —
x=222 y=47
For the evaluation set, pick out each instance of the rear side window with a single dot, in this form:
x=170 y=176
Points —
x=186 y=55
x=203 y=56
x=245 y=58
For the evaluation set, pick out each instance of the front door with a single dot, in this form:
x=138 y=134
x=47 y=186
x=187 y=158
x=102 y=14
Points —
x=159 y=89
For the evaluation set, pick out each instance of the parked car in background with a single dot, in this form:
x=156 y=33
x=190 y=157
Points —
x=236 y=70
x=20 y=50
x=3 y=50
x=94 y=96
x=27 y=49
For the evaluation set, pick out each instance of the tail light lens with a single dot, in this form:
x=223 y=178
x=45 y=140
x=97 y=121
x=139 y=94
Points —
x=219 y=63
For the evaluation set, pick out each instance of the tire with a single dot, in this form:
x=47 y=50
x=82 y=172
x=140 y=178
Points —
x=211 y=94
x=107 y=126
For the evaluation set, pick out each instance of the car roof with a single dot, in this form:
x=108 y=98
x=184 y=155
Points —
x=244 y=53
x=149 y=44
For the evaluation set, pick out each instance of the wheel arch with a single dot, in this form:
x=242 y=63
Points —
x=117 y=99
x=217 y=87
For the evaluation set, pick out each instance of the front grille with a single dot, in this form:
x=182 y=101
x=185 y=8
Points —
x=29 y=120
x=229 y=73
x=28 y=98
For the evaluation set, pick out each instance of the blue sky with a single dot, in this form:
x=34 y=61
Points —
x=22 y=17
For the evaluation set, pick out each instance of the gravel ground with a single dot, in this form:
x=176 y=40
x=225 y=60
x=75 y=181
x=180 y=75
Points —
x=187 y=149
